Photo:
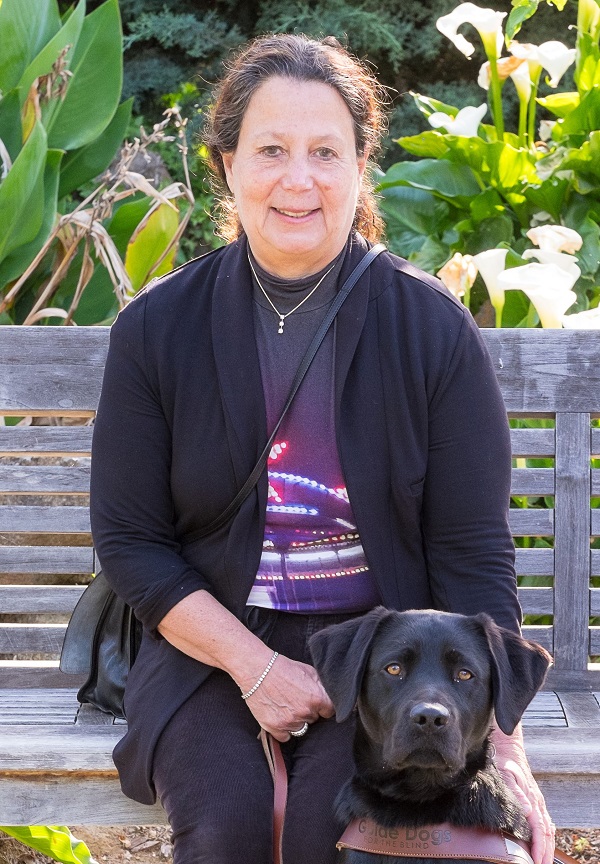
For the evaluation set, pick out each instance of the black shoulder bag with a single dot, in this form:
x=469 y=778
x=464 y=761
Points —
x=103 y=635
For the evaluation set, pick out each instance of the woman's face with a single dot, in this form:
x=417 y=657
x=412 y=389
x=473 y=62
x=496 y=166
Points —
x=295 y=175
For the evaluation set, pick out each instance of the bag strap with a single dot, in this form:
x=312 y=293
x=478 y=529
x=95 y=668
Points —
x=314 y=346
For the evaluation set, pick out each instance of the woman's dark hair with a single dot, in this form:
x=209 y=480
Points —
x=294 y=56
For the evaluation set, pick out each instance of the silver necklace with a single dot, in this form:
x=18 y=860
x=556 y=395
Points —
x=282 y=317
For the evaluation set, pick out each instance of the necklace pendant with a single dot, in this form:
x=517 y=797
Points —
x=281 y=323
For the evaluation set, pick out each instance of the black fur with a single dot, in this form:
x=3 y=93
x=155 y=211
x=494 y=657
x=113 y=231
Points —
x=421 y=748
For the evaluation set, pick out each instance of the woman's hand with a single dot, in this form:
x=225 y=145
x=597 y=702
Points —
x=290 y=695
x=511 y=761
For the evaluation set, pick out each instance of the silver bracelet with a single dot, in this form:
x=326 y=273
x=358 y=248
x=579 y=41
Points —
x=262 y=677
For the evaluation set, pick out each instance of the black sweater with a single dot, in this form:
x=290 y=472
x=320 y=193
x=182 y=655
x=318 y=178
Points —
x=422 y=438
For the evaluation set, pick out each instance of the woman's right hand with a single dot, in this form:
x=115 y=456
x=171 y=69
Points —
x=290 y=695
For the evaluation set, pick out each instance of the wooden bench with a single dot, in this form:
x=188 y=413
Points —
x=55 y=759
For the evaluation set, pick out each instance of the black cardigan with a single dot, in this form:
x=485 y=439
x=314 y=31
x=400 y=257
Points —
x=422 y=438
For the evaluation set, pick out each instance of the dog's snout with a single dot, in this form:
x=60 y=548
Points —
x=429 y=715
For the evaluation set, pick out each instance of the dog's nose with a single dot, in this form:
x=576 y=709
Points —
x=429 y=715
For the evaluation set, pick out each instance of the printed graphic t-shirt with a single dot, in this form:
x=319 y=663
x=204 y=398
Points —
x=312 y=560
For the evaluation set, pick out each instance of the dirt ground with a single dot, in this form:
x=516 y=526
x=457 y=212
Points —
x=151 y=845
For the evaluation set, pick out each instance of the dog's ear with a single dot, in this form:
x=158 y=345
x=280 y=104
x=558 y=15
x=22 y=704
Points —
x=340 y=654
x=518 y=671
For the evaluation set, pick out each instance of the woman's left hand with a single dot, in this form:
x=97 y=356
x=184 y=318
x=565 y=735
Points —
x=511 y=761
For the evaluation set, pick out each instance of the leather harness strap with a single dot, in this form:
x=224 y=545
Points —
x=428 y=841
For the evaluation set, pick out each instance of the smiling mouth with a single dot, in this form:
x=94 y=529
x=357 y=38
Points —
x=298 y=214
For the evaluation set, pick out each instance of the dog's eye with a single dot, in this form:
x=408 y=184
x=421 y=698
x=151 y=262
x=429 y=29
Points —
x=394 y=669
x=463 y=675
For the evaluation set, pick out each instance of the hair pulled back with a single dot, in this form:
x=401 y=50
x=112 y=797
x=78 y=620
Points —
x=300 y=58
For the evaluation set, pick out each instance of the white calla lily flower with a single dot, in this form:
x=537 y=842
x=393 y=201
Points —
x=561 y=259
x=588 y=320
x=487 y=22
x=458 y=274
x=547 y=286
x=465 y=124
x=552 y=56
x=491 y=264
x=507 y=67
x=555 y=238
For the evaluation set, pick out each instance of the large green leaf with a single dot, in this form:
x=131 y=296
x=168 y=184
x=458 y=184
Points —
x=585 y=159
x=25 y=26
x=55 y=841
x=431 y=256
x=560 y=104
x=549 y=196
x=415 y=209
x=447 y=179
x=523 y=9
x=586 y=117
x=87 y=162
x=426 y=144
x=42 y=62
x=149 y=241
x=22 y=194
x=17 y=261
x=502 y=165
x=95 y=88
x=10 y=123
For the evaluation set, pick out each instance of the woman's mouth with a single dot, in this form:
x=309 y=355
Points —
x=294 y=214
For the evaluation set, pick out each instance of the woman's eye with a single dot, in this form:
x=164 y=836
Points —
x=463 y=675
x=394 y=669
x=325 y=153
x=271 y=151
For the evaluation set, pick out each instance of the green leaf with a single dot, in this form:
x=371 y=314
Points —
x=428 y=105
x=446 y=179
x=426 y=144
x=10 y=123
x=560 y=104
x=415 y=209
x=485 y=205
x=125 y=220
x=42 y=62
x=516 y=309
x=523 y=9
x=87 y=162
x=490 y=233
x=55 y=841
x=21 y=194
x=588 y=75
x=25 y=26
x=549 y=196
x=584 y=160
x=95 y=88
x=431 y=257
x=20 y=258
x=500 y=164
x=148 y=242
x=584 y=118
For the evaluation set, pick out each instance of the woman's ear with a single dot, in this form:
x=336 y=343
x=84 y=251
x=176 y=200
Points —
x=228 y=168
x=362 y=160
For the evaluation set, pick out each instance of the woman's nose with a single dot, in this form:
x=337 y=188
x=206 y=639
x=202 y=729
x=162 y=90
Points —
x=297 y=176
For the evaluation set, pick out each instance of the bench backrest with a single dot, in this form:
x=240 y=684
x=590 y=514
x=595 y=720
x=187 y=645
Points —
x=46 y=554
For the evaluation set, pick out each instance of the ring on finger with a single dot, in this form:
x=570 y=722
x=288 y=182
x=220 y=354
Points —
x=299 y=732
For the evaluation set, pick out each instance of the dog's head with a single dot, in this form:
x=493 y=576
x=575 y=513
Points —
x=427 y=684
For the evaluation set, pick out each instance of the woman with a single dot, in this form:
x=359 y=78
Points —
x=388 y=483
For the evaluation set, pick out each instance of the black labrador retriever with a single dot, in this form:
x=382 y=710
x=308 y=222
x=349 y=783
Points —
x=427 y=686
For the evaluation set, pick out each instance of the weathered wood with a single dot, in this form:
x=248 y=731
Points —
x=536 y=601
x=88 y=715
x=44 y=520
x=532 y=442
x=595 y=441
x=595 y=641
x=534 y=562
x=39 y=599
x=42 y=440
x=31 y=638
x=76 y=801
x=46 y=479
x=531 y=523
x=545 y=371
x=36 y=673
x=543 y=635
x=43 y=372
x=572 y=541
x=595 y=484
x=534 y=482
x=47 y=559
x=595 y=601
x=581 y=710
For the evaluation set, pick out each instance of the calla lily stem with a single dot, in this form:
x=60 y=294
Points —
x=535 y=82
x=496 y=97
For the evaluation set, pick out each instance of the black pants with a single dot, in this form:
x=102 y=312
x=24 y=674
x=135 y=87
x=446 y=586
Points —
x=212 y=776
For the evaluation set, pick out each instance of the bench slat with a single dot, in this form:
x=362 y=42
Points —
x=595 y=601
x=534 y=482
x=540 y=634
x=39 y=599
x=34 y=440
x=44 y=520
x=536 y=601
x=531 y=523
x=47 y=559
x=534 y=562
x=31 y=674
x=31 y=638
x=532 y=442
x=45 y=479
